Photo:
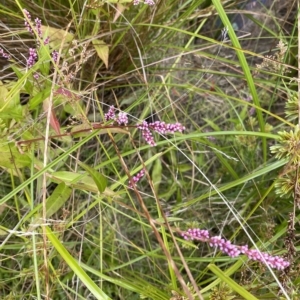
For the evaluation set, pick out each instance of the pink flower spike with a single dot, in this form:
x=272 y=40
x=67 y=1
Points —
x=38 y=26
x=110 y=115
x=232 y=250
x=163 y=128
x=147 y=135
x=122 y=118
x=47 y=40
x=55 y=56
x=27 y=25
x=136 y=178
x=4 y=54
x=196 y=234
x=32 y=57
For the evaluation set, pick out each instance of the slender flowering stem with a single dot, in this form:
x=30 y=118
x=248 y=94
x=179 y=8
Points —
x=232 y=250
x=144 y=127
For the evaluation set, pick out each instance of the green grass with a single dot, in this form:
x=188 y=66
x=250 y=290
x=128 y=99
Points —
x=72 y=227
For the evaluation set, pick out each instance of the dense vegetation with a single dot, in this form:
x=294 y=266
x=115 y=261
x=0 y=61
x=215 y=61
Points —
x=149 y=149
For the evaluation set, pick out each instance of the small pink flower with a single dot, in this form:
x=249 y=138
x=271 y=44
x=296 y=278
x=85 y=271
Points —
x=27 y=24
x=38 y=26
x=122 y=118
x=4 y=54
x=197 y=234
x=147 y=135
x=31 y=60
x=137 y=177
x=55 y=56
x=110 y=115
x=149 y=2
x=163 y=128
x=160 y=127
x=47 y=40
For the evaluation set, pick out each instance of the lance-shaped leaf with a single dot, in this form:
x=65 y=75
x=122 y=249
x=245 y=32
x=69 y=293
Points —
x=11 y=158
x=98 y=178
x=102 y=50
x=58 y=198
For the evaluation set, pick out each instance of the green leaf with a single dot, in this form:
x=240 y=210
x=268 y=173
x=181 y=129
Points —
x=57 y=37
x=39 y=97
x=98 y=178
x=10 y=106
x=102 y=50
x=79 y=181
x=73 y=264
x=68 y=177
x=26 y=83
x=58 y=198
x=11 y=158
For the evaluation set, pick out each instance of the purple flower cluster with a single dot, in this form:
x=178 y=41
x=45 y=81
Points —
x=38 y=23
x=120 y=119
x=163 y=128
x=32 y=58
x=160 y=127
x=110 y=115
x=27 y=24
x=46 y=40
x=55 y=56
x=147 y=134
x=137 y=177
x=148 y=2
x=226 y=247
x=4 y=54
